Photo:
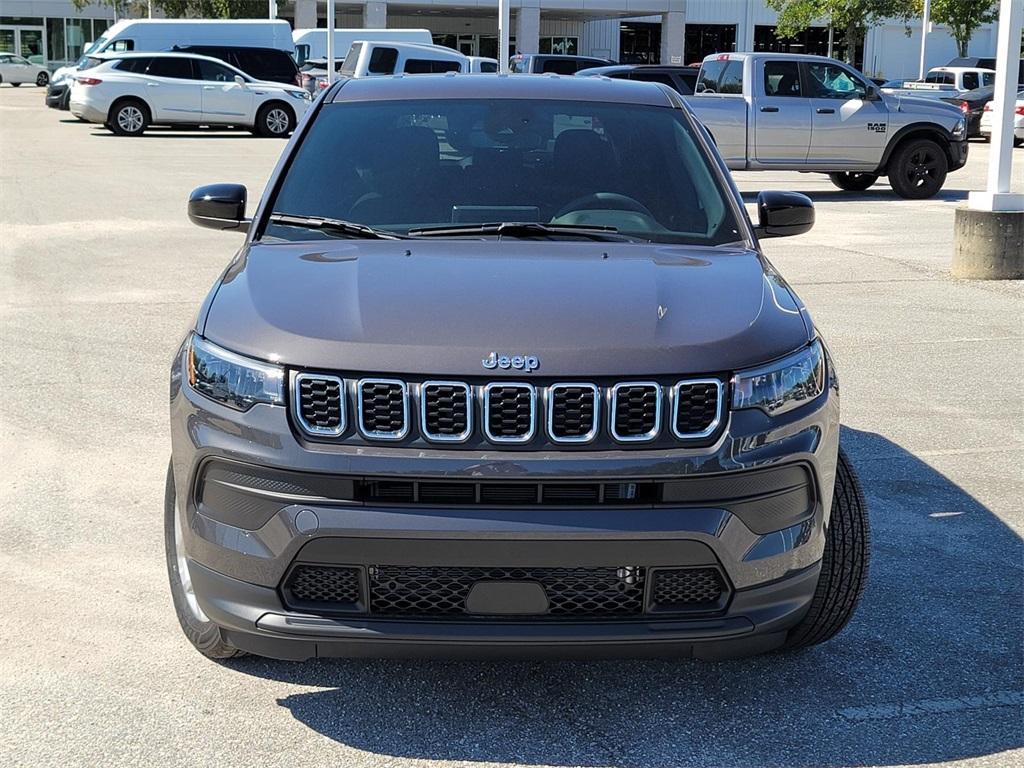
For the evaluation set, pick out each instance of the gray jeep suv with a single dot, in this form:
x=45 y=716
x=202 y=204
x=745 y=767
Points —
x=501 y=370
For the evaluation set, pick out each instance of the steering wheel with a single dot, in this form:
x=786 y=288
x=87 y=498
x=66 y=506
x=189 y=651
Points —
x=605 y=200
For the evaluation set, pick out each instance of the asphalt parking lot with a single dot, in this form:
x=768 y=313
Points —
x=101 y=272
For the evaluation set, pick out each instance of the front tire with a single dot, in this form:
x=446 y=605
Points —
x=853 y=182
x=918 y=169
x=274 y=120
x=844 y=564
x=204 y=635
x=128 y=118
x=43 y=80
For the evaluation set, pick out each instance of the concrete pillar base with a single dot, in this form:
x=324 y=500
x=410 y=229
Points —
x=527 y=28
x=988 y=245
x=375 y=16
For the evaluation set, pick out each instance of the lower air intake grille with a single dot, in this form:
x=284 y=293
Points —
x=324 y=584
x=413 y=591
x=680 y=589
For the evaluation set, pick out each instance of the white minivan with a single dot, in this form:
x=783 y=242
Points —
x=312 y=43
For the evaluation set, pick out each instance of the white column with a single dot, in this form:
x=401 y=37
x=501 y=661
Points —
x=331 y=53
x=673 y=25
x=528 y=27
x=375 y=15
x=925 y=19
x=996 y=196
x=305 y=14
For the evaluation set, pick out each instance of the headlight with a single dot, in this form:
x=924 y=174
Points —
x=237 y=382
x=783 y=385
x=960 y=129
x=300 y=95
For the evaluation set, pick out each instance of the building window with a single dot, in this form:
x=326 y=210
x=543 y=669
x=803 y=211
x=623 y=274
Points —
x=813 y=40
x=639 y=43
x=55 y=39
x=700 y=40
x=568 y=46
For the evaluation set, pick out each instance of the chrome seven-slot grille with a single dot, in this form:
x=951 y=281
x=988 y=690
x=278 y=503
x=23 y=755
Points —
x=508 y=412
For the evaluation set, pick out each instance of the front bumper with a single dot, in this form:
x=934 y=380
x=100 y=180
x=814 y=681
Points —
x=241 y=545
x=57 y=96
x=957 y=154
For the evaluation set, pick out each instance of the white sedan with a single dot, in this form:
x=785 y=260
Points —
x=17 y=70
x=128 y=92
x=1018 y=121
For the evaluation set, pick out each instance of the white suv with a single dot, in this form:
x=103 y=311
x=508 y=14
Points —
x=129 y=91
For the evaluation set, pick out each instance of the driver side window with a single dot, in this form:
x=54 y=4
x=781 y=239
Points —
x=829 y=81
x=209 y=70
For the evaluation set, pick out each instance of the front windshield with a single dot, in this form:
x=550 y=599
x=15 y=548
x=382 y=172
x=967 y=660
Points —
x=401 y=165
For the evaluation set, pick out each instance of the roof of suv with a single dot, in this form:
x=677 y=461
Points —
x=520 y=86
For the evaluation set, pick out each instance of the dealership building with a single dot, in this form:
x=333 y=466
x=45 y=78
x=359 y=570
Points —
x=634 y=31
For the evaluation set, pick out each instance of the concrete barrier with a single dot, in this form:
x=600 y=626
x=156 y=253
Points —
x=988 y=245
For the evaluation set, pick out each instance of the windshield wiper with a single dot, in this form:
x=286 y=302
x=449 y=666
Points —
x=524 y=229
x=333 y=226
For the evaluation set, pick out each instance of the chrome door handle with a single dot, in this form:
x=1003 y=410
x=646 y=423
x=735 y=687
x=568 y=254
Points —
x=209 y=87
x=825 y=111
x=769 y=109
x=152 y=85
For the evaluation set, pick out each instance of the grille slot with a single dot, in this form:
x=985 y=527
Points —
x=333 y=587
x=573 y=412
x=446 y=413
x=383 y=408
x=636 y=411
x=427 y=591
x=319 y=403
x=510 y=412
x=687 y=589
x=696 y=408
x=508 y=493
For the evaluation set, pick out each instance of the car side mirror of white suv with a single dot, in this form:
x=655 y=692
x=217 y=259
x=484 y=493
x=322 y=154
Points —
x=240 y=81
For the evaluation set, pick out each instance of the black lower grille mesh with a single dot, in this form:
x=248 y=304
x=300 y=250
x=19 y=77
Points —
x=338 y=586
x=441 y=591
x=687 y=588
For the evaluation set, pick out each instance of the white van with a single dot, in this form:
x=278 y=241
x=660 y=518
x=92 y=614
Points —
x=165 y=34
x=369 y=59
x=312 y=43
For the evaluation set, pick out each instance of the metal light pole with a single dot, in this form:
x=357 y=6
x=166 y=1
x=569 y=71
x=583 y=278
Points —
x=504 y=18
x=924 y=35
x=830 y=39
x=271 y=9
x=330 y=41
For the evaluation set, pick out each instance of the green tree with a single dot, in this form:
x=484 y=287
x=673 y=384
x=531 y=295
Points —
x=852 y=16
x=200 y=9
x=963 y=17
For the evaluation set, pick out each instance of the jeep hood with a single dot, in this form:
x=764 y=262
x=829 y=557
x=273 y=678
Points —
x=439 y=307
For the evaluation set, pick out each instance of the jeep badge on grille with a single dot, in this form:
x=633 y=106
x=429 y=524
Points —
x=525 y=363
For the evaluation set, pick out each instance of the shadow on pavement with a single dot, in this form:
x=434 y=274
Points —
x=929 y=670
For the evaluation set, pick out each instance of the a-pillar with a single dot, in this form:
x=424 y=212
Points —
x=375 y=15
x=528 y=27
x=673 y=26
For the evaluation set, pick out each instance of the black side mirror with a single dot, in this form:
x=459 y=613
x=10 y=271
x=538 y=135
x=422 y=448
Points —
x=781 y=214
x=219 y=206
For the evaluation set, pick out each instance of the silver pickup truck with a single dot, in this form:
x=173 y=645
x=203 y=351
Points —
x=776 y=111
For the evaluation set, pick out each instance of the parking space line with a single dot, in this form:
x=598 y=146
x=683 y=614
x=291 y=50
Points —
x=935 y=706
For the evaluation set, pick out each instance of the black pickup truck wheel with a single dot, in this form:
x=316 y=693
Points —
x=918 y=169
x=853 y=182
x=844 y=565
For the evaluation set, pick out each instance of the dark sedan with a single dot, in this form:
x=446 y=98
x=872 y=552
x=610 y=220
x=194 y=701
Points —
x=972 y=104
x=680 y=79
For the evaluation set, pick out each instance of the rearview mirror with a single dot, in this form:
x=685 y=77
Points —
x=781 y=214
x=219 y=206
